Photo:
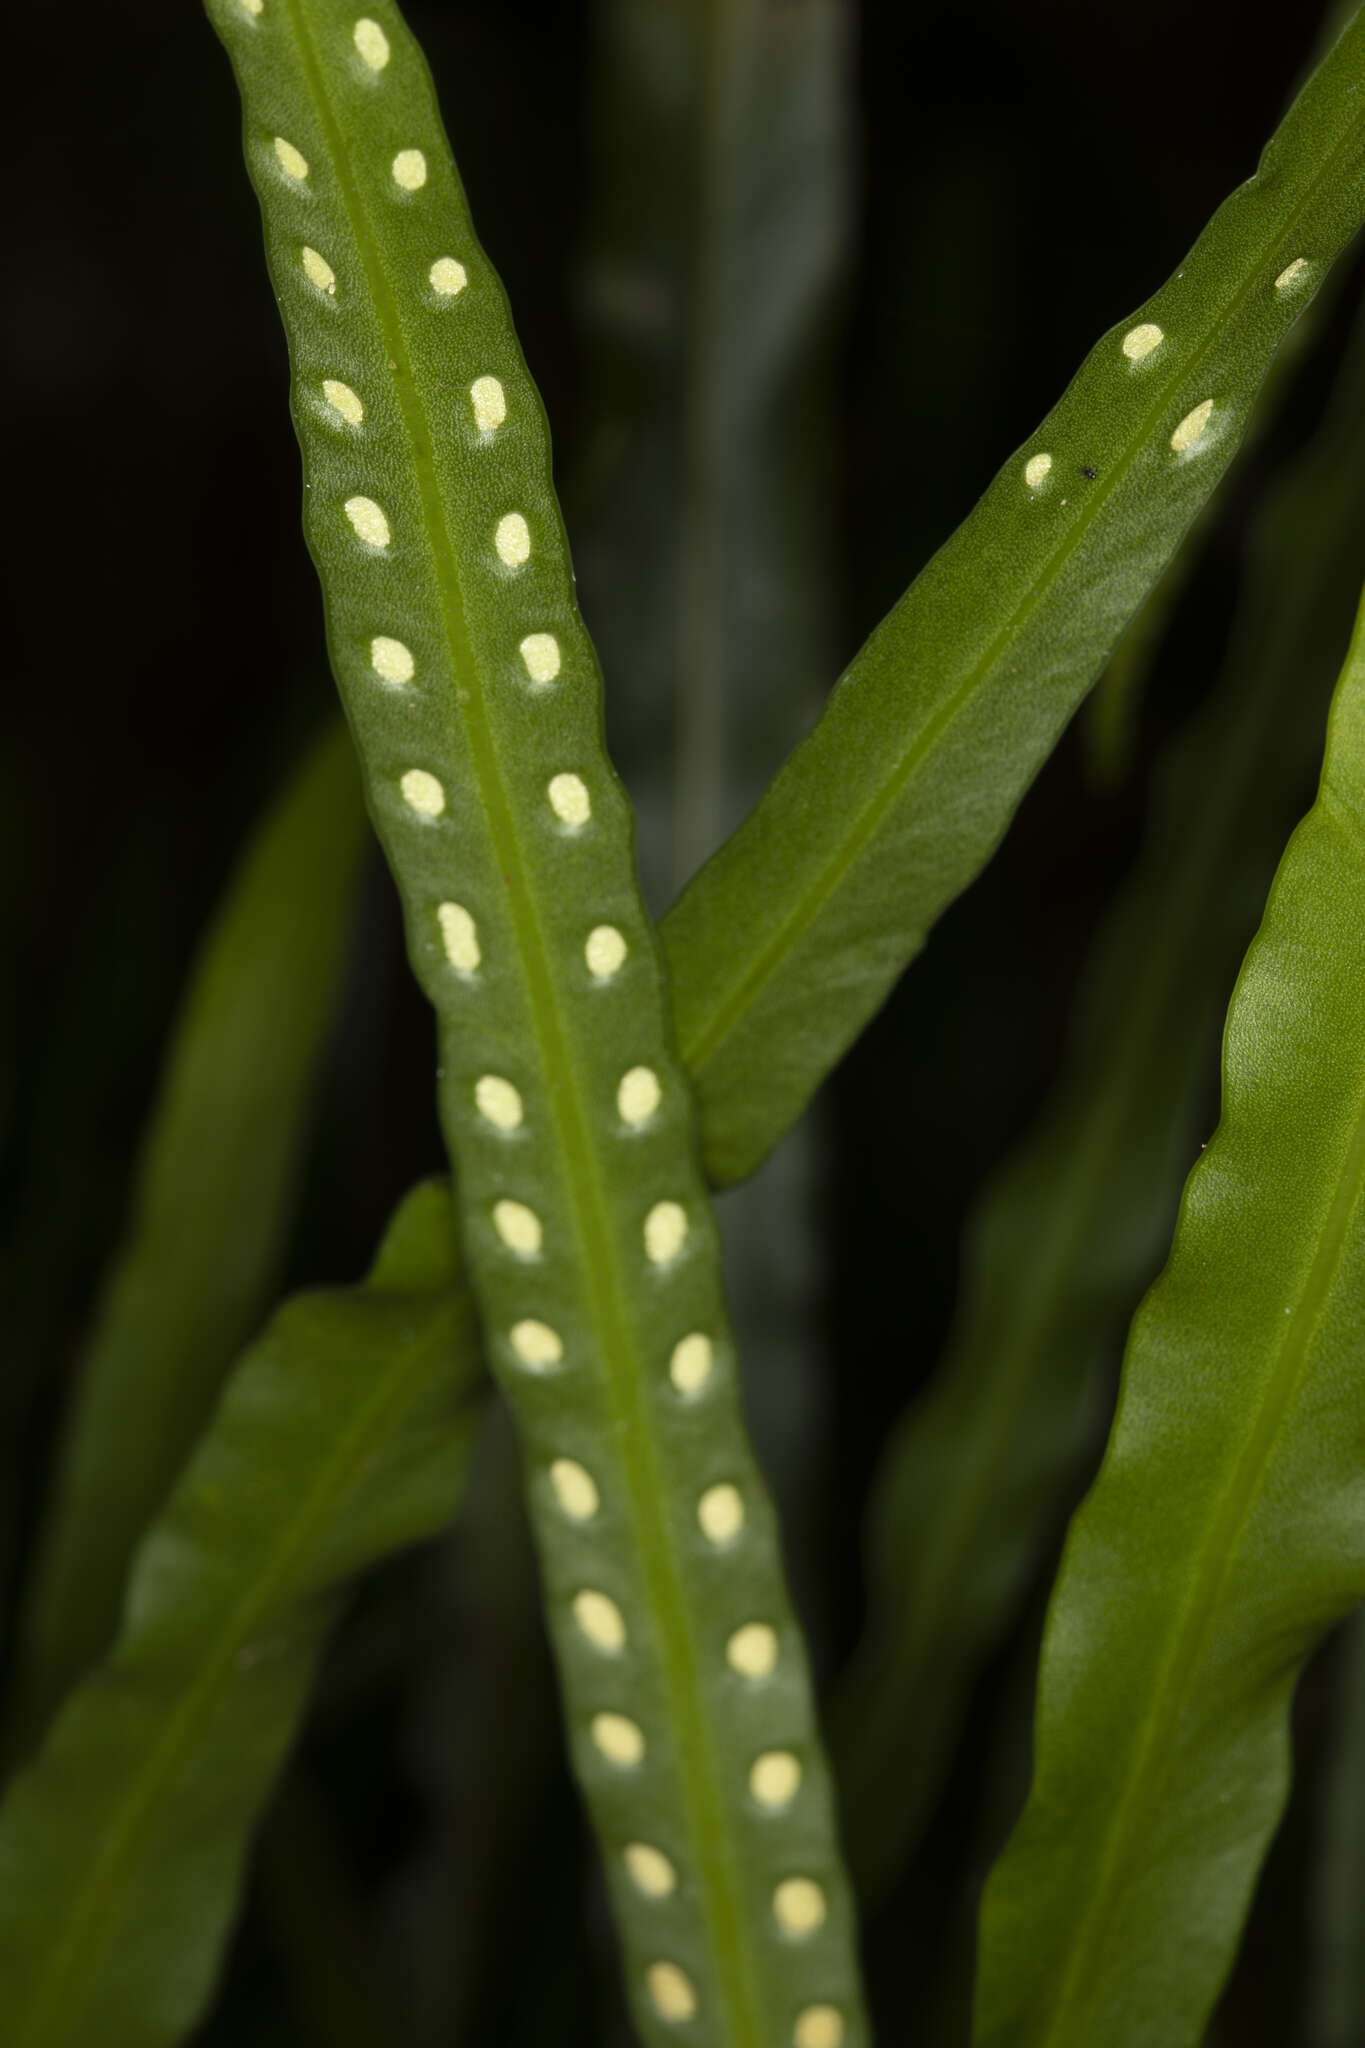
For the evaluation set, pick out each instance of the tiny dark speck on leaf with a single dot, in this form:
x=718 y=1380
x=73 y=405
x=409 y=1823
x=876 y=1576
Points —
x=1086 y=470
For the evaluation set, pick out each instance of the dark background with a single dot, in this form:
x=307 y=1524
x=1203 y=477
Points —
x=1027 y=173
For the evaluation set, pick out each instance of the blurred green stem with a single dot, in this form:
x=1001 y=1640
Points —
x=725 y=38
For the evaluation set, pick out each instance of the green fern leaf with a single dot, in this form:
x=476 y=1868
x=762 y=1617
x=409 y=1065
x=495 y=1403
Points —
x=343 y=1434
x=793 y=934
x=216 y=1182
x=1224 y=1535
x=978 y=1477
x=473 y=694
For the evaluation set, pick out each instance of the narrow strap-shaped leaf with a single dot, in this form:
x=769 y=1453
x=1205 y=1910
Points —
x=981 y=1471
x=702 y=524
x=718 y=140
x=342 y=1434
x=1225 y=1533
x=472 y=690
x=767 y=187
x=215 y=1182
x=792 y=935
x=1113 y=708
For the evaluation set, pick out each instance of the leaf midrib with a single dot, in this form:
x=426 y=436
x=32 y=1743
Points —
x=731 y=1011
x=579 y=1167
x=1224 y=1532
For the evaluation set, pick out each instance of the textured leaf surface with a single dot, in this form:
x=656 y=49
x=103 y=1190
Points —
x=982 y=1471
x=791 y=937
x=1226 y=1532
x=718 y=140
x=342 y=1434
x=473 y=694
x=215 y=1185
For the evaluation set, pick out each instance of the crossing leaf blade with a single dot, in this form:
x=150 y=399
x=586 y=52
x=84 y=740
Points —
x=792 y=935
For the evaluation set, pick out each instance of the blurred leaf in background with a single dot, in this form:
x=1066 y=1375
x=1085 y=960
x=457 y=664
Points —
x=704 y=514
x=220 y=1169
x=344 y=1432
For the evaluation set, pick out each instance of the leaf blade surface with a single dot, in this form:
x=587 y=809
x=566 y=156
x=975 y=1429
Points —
x=981 y=1471
x=219 y=1164
x=473 y=693
x=343 y=1433
x=793 y=934
x=1225 y=1533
